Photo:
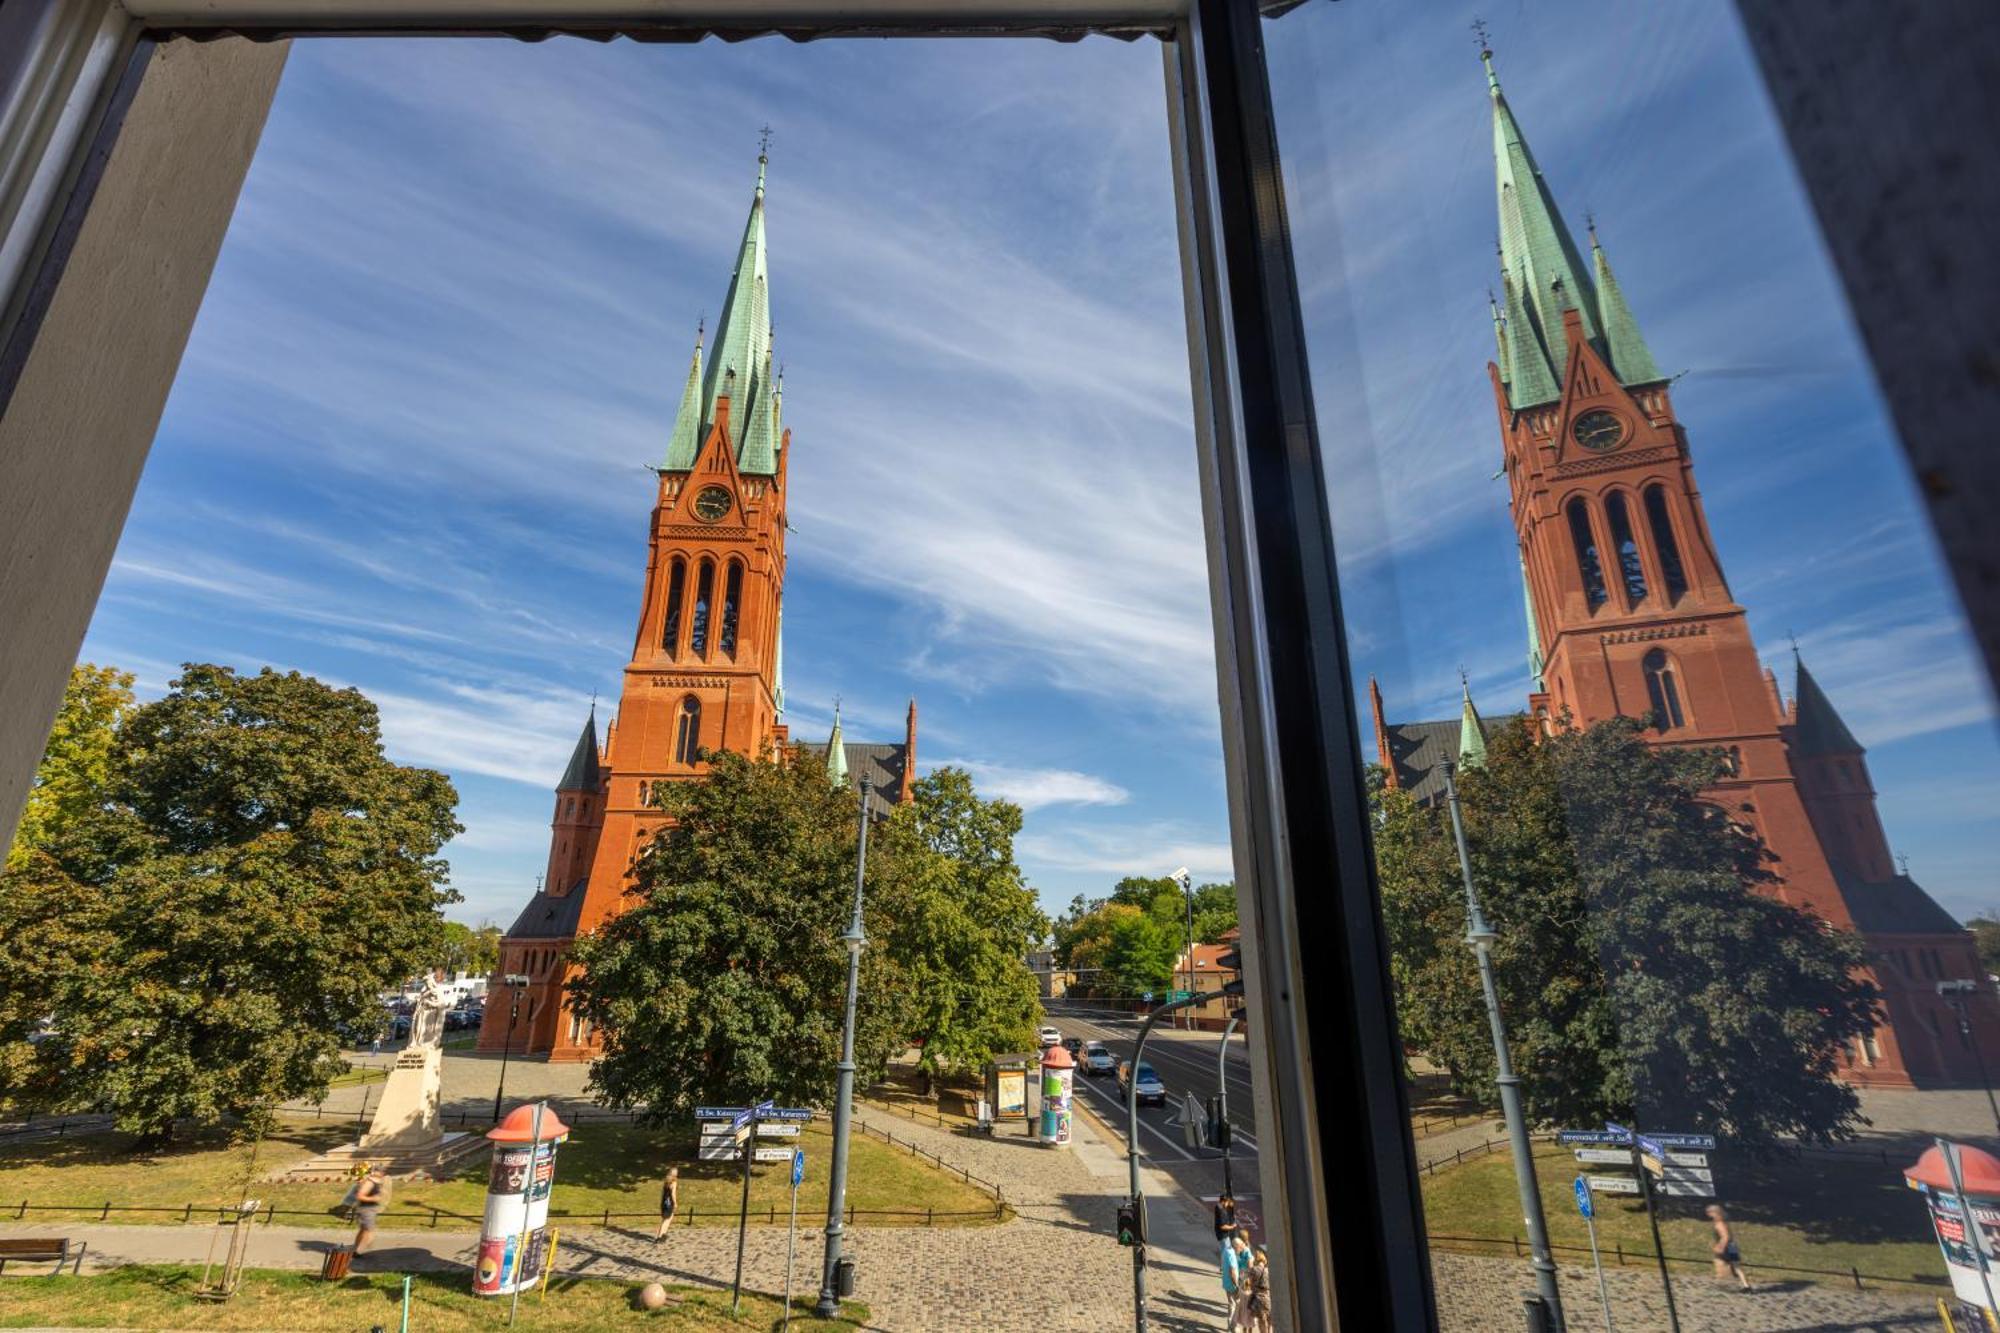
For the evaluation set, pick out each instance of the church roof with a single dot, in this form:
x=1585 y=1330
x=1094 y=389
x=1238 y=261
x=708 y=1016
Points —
x=549 y=916
x=1817 y=728
x=1899 y=906
x=582 y=775
x=882 y=764
x=1416 y=749
x=1543 y=275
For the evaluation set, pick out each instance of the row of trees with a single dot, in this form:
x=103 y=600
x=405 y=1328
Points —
x=1129 y=944
x=1641 y=969
x=723 y=982
x=205 y=889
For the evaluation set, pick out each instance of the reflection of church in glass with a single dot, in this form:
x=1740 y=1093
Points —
x=706 y=672
x=1629 y=614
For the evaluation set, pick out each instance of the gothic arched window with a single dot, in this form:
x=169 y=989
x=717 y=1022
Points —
x=670 y=636
x=1587 y=563
x=1664 y=690
x=1629 y=568
x=732 y=604
x=687 y=734
x=1663 y=543
x=704 y=589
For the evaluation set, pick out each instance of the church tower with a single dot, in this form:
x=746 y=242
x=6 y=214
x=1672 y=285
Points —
x=705 y=673
x=1630 y=613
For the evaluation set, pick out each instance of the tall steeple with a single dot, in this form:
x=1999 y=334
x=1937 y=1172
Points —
x=581 y=775
x=1543 y=274
x=685 y=442
x=1817 y=728
x=739 y=365
x=836 y=751
x=1471 y=731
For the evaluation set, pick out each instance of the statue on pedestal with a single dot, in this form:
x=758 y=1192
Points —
x=427 y=1015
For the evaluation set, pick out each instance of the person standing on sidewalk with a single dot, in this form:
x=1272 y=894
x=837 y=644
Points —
x=1728 y=1259
x=1231 y=1267
x=370 y=1197
x=670 y=1201
x=1257 y=1294
x=1239 y=1298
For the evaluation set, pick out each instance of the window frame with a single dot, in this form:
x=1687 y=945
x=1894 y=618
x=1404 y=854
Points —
x=1325 y=1061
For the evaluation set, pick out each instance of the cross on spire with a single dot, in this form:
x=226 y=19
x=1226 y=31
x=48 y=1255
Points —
x=764 y=142
x=1479 y=30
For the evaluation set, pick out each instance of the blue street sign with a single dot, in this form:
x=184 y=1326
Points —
x=1583 y=1204
x=1147 y=997
x=766 y=1112
x=1697 y=1142
x=1651 y=1148
x=798 y=1166
x=1619 y=1137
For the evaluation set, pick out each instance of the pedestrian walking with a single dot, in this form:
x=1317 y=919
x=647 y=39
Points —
x=670 y=1201
x=1257 y=1294
x=1728 y=1259
x=370 y=1197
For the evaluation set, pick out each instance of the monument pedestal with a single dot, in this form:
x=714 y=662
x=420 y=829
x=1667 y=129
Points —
x=406 y=1137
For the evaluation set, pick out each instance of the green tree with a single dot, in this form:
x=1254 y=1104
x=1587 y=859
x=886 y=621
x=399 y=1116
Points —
x=1640 y=968
x=253 y=874
x=964 y=944
x=70 y=780
x=474 y=950
x=723 y=982
x=1985 y=930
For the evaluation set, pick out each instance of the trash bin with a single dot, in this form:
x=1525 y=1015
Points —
x=338 y=1260
x=843 y=1275
x=1540 y=1319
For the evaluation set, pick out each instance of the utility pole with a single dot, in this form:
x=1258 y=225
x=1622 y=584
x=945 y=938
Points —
x=1186 y=880
x=843 y=1101
x=1222 y=1098
x=1480 y=936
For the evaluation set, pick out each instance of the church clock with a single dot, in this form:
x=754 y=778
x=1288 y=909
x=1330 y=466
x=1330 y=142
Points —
x=712 y=504
x=1599 y=431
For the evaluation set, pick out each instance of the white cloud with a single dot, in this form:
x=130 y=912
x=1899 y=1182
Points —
x=1151 y=848
x=1036 y=788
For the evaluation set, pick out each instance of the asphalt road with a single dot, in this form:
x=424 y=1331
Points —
x=1186 y=1063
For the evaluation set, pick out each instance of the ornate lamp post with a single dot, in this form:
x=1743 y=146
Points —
x=1955 y=994
x=843 y=1101
x=1480 y=936
x=516 y=983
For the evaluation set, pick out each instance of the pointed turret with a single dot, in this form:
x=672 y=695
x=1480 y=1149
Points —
x=1535 y=660
x=1471 y=731
x=1543 y=275
x=685 y=442
x=1631 y=360
x=1817 y=728
x=760 y=439
x=736 y=366
x=836 y=752
x=582 y=775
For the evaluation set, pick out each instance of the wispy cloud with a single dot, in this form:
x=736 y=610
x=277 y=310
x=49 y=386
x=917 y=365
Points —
x=1036 y=788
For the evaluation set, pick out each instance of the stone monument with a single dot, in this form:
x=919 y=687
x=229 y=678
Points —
x=406 y=1136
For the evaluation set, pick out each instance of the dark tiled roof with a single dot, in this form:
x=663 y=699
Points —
x=1895 y=907
x=1416 y=748
x=882 y=765
x=581 y=775
x=1818 y=729
x=549 y=916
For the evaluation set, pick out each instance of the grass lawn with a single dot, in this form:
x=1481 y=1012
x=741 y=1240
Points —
x=162 y=1297
x=1817 y=1213
x=614 y=1166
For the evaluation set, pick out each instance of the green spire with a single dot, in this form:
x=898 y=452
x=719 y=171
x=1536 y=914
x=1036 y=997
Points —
x=760 y=441
x=685 y=442
x=1499 y=337
x=1525 y=368
x=778 y=667
x=1631 y=360
x=1471 y=731
x=1534 y=635
x=836 y=752
x=743 y=333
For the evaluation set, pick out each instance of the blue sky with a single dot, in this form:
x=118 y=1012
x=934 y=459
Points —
x=406 y=450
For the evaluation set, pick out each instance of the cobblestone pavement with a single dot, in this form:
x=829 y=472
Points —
x=1476 y=1295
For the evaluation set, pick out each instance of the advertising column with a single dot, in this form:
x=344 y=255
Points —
x=514 y=1238
x=1962 y=1186
x=1058 y=1081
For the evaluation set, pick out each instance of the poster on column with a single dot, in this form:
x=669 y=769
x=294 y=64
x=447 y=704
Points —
x=519 y=1181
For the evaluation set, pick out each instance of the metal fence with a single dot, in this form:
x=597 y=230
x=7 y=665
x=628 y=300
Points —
x=1620 y=1256
x=430 y=1218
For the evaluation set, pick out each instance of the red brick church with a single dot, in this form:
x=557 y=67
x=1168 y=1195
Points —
x=707 y=666
x=1630 y=614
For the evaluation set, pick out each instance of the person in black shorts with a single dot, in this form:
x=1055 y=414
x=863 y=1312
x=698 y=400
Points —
x=1728 y=1259
x=670 y=1199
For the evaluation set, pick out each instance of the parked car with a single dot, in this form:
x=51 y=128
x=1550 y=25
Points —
x=457 y=1020
x=1150 y=1089
x=1050 y=1036
x=1098 y=1059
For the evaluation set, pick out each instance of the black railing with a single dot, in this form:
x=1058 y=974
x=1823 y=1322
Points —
x=430 y=1217
x=1616 y=1254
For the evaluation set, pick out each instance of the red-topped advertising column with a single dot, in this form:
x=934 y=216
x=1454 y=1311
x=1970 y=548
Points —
x=1962 y=1186
x=514 y=1239
x=1058 y=1075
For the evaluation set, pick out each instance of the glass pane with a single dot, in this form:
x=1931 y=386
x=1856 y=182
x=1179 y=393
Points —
x=1639 y=595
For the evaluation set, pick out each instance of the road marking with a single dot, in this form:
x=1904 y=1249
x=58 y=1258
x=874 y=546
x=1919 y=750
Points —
x=1120 y=1129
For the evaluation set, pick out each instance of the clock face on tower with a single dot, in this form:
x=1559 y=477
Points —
x=712 y=504
x=1598 y=430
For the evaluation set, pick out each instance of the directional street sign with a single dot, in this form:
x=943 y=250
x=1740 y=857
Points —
x=1583 y=1204
x=1604 y=1156
x=772 y=1155
x=1699 y=1142
x=1613 y=1184
x=767 y=1112
x=1592 y=1136
x=1689 y=1189
x=781 y=1130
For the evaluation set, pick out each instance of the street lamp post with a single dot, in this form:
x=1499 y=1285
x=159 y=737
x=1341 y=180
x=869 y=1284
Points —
x=1132 y=1151
x=843 y=1100
x=1186 y=880
x=516 y=983
x=1480 y=936
x=1955 y=993
x=1222 y=1097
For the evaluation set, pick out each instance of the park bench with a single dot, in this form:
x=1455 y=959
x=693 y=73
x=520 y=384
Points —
x=58 y=1250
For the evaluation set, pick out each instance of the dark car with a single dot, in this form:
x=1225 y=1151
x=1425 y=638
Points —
x=1074 y=1045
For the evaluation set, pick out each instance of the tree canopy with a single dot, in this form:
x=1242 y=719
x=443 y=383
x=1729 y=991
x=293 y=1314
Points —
x=70 y=780
x=250 y=875
x=1641 y=969
x=1130 y=943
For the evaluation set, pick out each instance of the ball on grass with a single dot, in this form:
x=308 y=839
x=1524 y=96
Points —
x=652 y=1296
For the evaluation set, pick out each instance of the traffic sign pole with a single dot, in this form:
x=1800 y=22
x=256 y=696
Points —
x=1589 y=1211
x=748 y=1120
x=792 y=1233
x=1653 y=1218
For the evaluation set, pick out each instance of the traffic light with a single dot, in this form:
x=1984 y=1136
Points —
x=1132 y=1222
x=1218 y=1125
x=1231 y=962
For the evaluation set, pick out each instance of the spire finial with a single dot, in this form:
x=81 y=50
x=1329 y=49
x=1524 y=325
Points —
x=1903 y=864
x=593 y=704
x=1486 y=54
x=763 y=156
x=701 y=328
x=1793 y=636
x=1590 y=225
